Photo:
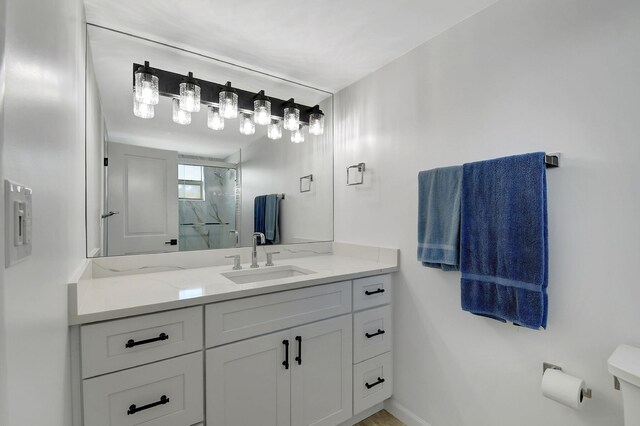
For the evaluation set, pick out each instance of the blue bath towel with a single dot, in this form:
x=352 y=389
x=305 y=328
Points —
x=503 y=239
x=259 y=209
x=271 y=219
x=439 y=218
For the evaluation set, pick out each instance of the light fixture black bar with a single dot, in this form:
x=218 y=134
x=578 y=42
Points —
x=169 y=86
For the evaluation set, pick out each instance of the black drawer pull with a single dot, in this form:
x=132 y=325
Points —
x=133 y=409
x=299 y=357
x=286 y=354
x=369 y=293
x=370 y=335
x=131 y=343
x=369 y=386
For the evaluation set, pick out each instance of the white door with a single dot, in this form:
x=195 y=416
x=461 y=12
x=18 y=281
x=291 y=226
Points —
x=143 y=189
x=321 y=378
x=248 y=383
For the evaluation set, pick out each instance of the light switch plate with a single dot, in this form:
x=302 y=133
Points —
x=17 y=222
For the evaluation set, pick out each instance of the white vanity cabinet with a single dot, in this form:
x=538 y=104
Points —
x=298 y=357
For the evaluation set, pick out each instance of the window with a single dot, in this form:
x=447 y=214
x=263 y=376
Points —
x=190 y=182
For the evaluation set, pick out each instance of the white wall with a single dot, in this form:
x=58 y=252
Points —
x=521 y=76
x=276 y=167
x=43 y=133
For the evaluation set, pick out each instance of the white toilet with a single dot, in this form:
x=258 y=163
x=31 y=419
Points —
x=624 y=364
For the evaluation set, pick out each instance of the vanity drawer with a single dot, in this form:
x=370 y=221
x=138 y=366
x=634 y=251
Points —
x=371 y=333
x=234 y=320
x=116 y=345
x=372 y=382
x=371 y=291
x=109 y=400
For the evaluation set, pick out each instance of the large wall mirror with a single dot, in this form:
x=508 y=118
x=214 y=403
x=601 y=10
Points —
x=156 y=186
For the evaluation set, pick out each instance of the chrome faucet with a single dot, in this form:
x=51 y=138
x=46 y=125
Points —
x=254 y=253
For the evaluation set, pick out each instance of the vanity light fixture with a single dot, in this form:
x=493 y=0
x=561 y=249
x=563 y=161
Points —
x=146 y=85
x=297 y=136
x=291 y=116
x=142 y=110
x=189 y=94
x=274 y=129
x=228 y=101
x=180 y=116
x=215 y=121
x=316 y=121
x=261 y=109
x=247 y=125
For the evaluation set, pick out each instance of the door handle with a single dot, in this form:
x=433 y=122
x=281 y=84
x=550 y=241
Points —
x=299 y=357
x=286 y=354
x=173 y=242
x=106 y=215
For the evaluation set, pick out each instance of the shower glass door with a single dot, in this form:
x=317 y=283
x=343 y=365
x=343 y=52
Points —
x=208 y=207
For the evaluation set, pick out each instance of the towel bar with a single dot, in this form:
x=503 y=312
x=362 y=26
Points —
x=552 y=160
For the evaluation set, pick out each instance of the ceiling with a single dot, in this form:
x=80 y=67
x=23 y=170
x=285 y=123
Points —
x=113 y=55
x=327 y=44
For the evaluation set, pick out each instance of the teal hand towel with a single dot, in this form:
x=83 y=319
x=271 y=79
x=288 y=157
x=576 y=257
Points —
x=439 y=218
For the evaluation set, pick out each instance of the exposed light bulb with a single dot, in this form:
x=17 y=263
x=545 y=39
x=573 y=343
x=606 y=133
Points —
x=274 y=129
x=228 y=102
x=214 y=120
x=190 y=94
x=247 y=125
x=291 y=118
x=142 y=110
x=180 y=116
x=297 y=136
x=316 y=122
x=146 y=86
x=261 y=109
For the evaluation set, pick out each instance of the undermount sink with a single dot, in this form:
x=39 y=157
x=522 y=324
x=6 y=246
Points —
x=266 y=273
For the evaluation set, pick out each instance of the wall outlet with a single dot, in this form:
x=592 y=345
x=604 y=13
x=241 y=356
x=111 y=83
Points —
x=17 y=222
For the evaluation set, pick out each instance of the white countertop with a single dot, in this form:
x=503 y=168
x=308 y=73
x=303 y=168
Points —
x=98 y=299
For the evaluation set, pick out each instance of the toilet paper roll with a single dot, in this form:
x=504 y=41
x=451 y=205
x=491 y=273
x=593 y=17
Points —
x=562 y=388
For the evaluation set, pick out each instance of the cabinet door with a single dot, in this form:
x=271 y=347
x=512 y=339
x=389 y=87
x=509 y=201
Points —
x=321 y=373
x=248 y=382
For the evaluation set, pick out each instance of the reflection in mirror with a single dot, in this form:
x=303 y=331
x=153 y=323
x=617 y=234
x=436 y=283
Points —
x=162 y=179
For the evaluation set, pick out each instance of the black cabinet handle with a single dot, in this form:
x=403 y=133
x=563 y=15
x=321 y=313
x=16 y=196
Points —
x=133 y=409
x=131 y=343
x=299 y=357
x=172 y=242
x=286 y=354
x=370 y=335
x=369 y=293
x=369 y=386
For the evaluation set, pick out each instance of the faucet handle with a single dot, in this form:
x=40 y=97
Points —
x=270 y=258
x=236 y=261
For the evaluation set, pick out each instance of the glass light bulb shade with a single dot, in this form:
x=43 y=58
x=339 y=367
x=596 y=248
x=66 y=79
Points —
x=180 y=116
x=262 y=111
x=228 y=102
x=274 y=129
x=214 y=120
x=247 y=125
x=291 y=118
x=146 y=88
x=142 y=110
x=316 y=124
x=189 y=97
x=297 y=136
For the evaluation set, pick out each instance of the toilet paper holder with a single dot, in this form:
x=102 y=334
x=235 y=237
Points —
x=584 y=392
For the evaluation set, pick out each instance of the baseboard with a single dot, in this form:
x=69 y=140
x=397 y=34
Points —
x=403 y=414
x=360 y=417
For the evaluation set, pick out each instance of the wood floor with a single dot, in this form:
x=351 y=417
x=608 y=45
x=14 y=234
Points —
x=381 y=418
